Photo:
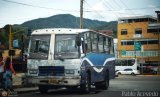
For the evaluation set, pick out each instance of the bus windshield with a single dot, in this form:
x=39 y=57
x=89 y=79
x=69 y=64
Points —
x=39 y=47
x=65 y=46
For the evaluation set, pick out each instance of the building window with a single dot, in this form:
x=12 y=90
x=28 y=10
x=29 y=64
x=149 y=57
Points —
x=153 y=30
x=152 y=41
x=138 y=31
x=124 y=32
x=143 y=42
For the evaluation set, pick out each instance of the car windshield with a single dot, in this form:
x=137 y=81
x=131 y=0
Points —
x=65 y=47
x=39 y=46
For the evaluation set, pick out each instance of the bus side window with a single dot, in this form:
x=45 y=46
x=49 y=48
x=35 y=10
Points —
x=84 y=47
x=106 y=47
x=94 y=41
x=88 y=42
x=100 y=44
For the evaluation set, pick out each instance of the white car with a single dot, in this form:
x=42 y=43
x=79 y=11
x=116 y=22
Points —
x=128 y=71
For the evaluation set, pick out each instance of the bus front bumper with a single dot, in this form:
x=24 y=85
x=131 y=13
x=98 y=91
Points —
x=55 y=80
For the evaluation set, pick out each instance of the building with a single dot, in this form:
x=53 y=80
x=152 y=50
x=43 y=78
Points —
x=107 y=32
x=138 y=37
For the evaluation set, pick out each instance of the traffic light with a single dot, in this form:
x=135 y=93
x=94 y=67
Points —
x=11 y=52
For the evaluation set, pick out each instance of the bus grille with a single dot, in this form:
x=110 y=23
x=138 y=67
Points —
x=51 y=70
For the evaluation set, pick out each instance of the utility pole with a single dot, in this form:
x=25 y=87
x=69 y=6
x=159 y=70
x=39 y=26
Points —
x=10 y=38
x=81 y=14
x=10 y=42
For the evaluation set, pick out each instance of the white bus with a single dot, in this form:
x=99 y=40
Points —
x=70 y=58
x=122 y=64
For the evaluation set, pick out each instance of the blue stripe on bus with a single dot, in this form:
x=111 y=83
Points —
x=98 y=59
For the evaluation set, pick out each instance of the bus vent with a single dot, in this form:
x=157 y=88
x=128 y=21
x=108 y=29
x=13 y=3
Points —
x=51 y=70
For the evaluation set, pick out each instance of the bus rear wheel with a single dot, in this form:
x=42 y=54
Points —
x=105 y=84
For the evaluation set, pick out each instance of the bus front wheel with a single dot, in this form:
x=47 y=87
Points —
x=86 y=87
x=43 y=89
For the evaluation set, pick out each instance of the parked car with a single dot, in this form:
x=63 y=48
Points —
x=127 y=71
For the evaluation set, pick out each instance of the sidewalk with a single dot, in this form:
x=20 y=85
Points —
x=19 y=87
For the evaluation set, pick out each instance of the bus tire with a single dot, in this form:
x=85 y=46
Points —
x=86 y=87
x=106 y=81
x=43 y=89
x=105 y=84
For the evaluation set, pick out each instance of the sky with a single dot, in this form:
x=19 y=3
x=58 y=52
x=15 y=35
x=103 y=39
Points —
x=20 y=11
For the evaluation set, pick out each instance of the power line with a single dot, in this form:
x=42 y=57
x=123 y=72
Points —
x=117 y=3
x=143 y=8
x=117 y=15
x=93 y=10
x=38 y=6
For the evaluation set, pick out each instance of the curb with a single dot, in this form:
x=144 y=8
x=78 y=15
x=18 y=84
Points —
x=26 y=90
x=148 y=75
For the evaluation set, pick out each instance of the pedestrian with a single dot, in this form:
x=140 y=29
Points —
x=2 y=62
x=8 y=75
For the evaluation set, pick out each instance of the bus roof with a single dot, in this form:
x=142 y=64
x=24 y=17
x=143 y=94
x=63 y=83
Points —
x=59 y=31
x=62 y=31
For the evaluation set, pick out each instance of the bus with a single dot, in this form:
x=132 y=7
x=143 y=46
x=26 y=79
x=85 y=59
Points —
x=126 y=63
x=71 y=58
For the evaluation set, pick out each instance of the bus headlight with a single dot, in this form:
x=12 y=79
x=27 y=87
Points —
x=33 y=71
x=69 y=71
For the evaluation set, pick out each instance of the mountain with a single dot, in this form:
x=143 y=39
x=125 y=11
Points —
x=66 y=21
x=56 y=21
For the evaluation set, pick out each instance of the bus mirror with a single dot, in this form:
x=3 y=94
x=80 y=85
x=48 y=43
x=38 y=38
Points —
x=78 y=40
x=60 y=58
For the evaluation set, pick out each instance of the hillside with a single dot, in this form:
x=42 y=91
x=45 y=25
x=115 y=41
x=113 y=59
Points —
x=62 y=21
x=56 y=21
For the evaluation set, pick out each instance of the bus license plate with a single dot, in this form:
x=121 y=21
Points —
x=53 y=81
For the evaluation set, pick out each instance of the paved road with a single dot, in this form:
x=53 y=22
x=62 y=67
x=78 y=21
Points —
x=123 y=86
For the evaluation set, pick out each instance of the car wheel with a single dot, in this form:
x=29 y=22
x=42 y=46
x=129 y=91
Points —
x=132 y=74
x=119 y=73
